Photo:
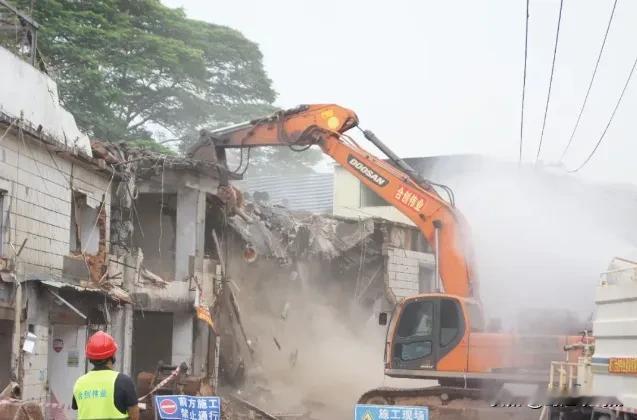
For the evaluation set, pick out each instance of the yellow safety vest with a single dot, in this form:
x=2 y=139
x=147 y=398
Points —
x=95 y=396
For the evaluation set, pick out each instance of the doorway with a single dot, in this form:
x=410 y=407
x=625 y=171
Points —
x=66 y=363
x=152 y=340
x=6 y=336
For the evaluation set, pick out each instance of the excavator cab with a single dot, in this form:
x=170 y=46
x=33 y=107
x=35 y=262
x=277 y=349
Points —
x=427 y=328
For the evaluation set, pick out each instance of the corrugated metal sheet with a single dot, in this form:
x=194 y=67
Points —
x=312 y=192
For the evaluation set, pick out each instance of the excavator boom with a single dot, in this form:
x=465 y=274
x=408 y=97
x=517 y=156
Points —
x=439 y=335
x=325 y=125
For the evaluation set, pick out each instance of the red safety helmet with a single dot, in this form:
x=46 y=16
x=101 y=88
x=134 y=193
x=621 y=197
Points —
x=100 y=346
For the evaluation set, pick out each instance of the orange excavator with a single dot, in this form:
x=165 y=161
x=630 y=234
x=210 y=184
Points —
x=439 y=335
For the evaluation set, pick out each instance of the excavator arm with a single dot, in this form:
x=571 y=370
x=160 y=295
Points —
x=325 y=125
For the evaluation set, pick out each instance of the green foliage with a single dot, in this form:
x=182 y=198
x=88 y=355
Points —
x=150 y=144
x=263 y=160
x=125 y=67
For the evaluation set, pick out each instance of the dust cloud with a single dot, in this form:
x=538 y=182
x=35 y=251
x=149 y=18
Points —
x=541 y=239
x=317 y=349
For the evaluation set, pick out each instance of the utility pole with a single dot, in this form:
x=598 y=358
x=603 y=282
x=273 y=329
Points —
x=17 y=313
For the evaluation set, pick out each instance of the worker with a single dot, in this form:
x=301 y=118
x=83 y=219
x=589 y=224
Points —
x=104 y=393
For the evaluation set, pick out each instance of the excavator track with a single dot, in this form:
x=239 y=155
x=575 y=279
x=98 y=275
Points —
x=451 y=403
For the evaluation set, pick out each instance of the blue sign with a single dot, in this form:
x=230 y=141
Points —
x=185 y=407
x=390 y=412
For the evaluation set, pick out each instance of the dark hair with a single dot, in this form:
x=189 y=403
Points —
x=103 y=362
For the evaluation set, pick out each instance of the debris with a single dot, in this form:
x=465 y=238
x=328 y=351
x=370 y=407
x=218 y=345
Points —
x=294 y=357
x=152 y=277
x=152 y=378
x=237 y=313
x=277 y=343
x=274 y=231
x=10 y=391
x=219 y=252
x=28 y=410
x=11 y=407
x=284 y=313
x=263 y=414
x=249 y=254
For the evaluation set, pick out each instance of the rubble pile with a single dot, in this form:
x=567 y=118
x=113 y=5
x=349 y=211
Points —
x=308 y=294
x=276 y=232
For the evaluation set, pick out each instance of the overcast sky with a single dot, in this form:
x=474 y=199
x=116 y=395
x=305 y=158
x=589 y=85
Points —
x=445 y=77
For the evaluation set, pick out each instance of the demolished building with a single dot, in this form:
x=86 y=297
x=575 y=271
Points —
x=90 y=240
x=97 y=236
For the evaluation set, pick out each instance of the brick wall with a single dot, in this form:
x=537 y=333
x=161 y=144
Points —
x=38 y=200
x=403 y=269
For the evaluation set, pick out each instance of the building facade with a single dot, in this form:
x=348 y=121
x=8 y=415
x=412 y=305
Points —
x=89 y=241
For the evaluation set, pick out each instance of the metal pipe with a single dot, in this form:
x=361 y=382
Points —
x=17 y=313
x=543 y=413
x=215 y=377
x=22 y=16
x=34 y=47
x=229 y=129
x=404 y=166
x=15 y=348
x=67 y=303
x=437 y=225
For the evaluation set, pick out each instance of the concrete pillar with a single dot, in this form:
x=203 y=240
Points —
x=189 y=247
x=128 y=339
x=186 y=241
x=122 y=317
x=201 y=359
x=34 y=365
x=122 y=331
x=200 y=350
x=191 y=214
x=182 y=338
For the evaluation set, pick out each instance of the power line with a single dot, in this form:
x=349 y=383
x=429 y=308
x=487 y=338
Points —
x=590 y=85
x=526 y=48
x=610 y=120
x=548 y=96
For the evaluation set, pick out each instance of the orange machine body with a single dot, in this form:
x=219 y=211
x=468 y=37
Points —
x=477 y=354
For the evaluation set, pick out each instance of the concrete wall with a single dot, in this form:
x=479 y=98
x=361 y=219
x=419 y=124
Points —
x=404 y=269
x=191 y=214
x=26 y=91
x=347 y=200
x=187 y=237
x=156 y=236
x=37 y=188
x=38 y=200
x=34 y=381
x=182 y=338
x=34 y=366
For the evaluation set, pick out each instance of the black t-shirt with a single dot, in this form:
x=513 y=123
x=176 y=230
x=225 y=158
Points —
x=125 y=394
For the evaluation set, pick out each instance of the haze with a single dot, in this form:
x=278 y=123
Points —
x=432 y=77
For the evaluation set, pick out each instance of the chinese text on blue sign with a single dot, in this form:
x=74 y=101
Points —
x=185 y=407
x=390 y=412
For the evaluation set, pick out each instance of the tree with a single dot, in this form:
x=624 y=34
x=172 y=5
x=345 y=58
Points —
x=127 y=67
